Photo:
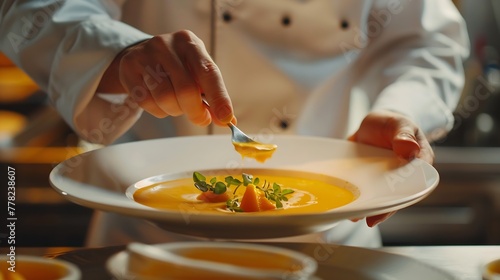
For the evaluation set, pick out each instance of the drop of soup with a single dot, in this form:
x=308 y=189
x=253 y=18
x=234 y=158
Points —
x=258 y=151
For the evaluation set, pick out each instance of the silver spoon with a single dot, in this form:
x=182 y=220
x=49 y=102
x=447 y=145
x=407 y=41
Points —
x=246 y=146
x=239 y=136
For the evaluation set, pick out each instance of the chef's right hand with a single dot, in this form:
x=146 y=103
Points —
x=167 y=74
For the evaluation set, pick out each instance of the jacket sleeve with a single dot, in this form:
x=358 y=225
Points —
x=65 y=46
x=412 y=60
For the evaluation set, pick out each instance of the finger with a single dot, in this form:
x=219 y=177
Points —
x=391 y=131
x=404 y=143
x=372 y=131
x=209 y=78
x=377 y=219
x=189 y=99
x=139 y=93
x=142 y=96
x=163 y=93
x=234 y=120
x=426 y=152
x=183 y=84
x=353 y=137
x=191 y=105
x=410 y=142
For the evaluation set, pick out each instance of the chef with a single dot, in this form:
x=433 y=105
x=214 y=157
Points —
x=382 y=72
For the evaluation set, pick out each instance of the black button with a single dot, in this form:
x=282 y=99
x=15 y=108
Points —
x=284 y=124
x=227 y=17
x=286 y=21
x=344 y=24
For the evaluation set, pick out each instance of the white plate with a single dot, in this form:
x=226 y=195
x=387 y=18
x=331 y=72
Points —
x=338 y=262
x=99 y=180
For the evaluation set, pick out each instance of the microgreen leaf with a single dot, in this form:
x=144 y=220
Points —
x=247 y=179
x=272 y=192
x=233 y=205
x=228 y=179
x=286 y=191
x=232 y=181
x=201 y=185
x=220 y=188
x=198 y=177
x=279 y=204
x=276 y=188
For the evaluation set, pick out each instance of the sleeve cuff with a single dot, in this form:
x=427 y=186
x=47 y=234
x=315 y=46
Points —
x=431 y=114
x=78 y=70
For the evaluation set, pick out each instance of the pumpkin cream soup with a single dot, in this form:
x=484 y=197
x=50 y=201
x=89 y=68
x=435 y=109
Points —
x=258 y=151
x=264 y=193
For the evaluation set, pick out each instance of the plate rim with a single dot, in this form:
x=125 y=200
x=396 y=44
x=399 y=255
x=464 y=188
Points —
x=145 y=212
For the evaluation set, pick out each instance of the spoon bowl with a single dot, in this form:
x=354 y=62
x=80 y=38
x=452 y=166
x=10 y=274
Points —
x=248 y=147
x=238 y=136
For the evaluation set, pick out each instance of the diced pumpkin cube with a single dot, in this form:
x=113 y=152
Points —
x=265 y=204
x=249 y=201
x=254 y=200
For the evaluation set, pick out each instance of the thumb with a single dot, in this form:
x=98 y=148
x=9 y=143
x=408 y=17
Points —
x=405 y=144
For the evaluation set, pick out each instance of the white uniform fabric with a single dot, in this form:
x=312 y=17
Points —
x=291 y=66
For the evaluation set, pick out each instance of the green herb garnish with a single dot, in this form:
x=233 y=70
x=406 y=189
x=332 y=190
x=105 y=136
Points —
x=234 y=205
x=275 y=193
x=201 y=184
x=272 y=192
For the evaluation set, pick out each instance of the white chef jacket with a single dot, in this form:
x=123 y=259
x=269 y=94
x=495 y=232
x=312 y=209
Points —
x=290 y=66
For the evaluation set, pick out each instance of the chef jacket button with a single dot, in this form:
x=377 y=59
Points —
x=227 y=17
x=286 y=20
x=284 y=124
x=344 y=24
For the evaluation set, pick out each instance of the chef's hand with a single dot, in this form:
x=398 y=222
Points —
x=393 y=131
x=166 y=75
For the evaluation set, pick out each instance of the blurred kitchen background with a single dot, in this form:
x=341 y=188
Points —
x=465 y=208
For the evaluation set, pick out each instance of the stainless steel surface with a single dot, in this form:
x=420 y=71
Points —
x=238 y=136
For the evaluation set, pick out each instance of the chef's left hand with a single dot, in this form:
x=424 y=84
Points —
x=397 y=132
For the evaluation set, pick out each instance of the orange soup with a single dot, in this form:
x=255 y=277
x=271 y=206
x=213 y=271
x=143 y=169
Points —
x=26 y=270
x=244 y=258
x=309 y=195
x=494 y=267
